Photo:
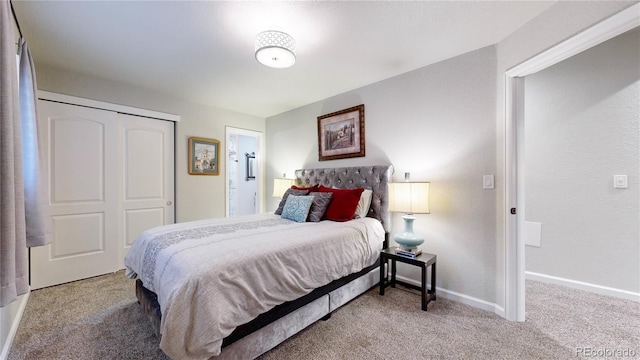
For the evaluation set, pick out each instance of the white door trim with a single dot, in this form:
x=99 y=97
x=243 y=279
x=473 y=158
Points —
x=73 y=100
x=514 y=107
x=260 y=173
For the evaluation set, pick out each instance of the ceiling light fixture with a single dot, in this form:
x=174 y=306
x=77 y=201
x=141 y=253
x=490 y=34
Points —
x=275 y=49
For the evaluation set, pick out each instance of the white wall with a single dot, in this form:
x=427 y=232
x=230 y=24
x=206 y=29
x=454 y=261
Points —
x=560 y=22
x=581 y=128
x=438 y=123
x=197 y=197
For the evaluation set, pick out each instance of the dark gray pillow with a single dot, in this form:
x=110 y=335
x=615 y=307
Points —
x=286 y=195
x=319 y=206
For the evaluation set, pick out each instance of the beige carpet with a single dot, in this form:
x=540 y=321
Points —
x=99 y=318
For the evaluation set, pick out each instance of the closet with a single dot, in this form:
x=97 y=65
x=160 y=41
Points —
x=110 y=177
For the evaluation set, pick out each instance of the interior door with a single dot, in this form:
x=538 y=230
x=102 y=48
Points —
x=147 y=168
x=81 y=168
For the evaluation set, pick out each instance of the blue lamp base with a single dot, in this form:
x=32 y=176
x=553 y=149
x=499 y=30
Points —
x=408 y=239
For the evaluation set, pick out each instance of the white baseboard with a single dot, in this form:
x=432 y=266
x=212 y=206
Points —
x=580 y=285
x=455 y=296
x=4 y=354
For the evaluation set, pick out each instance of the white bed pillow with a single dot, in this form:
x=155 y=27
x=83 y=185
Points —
x=364 y=204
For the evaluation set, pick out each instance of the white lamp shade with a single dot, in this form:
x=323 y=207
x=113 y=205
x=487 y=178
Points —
x=280 y=186
x=409 y=197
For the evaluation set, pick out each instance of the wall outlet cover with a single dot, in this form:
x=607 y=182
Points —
x=620 y=181
x=488 y=182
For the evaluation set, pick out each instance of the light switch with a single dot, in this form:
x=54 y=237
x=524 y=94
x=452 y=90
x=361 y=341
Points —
x=620 y=181
x=487 y=182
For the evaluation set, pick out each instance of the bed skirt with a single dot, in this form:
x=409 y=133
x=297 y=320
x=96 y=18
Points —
x=266 y=331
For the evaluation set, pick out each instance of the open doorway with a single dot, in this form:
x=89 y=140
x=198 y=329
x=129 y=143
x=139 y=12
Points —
x=515 y=170
x=244 y=171
x=581 y=133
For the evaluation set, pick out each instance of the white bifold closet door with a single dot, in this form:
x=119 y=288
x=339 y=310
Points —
x=147 y=173
x=111 y=176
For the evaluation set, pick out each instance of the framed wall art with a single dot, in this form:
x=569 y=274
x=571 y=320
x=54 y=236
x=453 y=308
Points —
x=341 y=134
x=204 y=156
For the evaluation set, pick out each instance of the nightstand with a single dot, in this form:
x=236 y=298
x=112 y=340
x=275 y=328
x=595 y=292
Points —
x=424 y=261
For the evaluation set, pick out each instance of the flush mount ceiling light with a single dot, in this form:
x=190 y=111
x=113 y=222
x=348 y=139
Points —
x=275 y=49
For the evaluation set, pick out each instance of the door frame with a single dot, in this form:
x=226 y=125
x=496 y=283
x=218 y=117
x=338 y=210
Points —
x=514 y=136
x=260 y=150
x=123 y=109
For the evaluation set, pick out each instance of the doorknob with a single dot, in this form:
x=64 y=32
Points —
x=169 y=203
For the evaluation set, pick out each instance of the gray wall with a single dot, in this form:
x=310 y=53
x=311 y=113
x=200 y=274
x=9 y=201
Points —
x=436 y=122
x=581 y=128
x=197 y=197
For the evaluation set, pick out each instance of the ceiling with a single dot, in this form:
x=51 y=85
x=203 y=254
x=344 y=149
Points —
x=203 y=51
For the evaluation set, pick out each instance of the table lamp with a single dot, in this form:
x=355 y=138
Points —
x=409 y=198
x=281 y=185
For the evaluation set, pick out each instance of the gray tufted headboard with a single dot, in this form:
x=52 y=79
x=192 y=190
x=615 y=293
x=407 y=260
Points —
x=374 y=178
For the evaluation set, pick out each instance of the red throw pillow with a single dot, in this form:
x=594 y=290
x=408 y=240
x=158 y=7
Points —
x=343 y=205
x=313 y=188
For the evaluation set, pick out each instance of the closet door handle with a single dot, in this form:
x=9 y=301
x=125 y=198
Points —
x=169 y=203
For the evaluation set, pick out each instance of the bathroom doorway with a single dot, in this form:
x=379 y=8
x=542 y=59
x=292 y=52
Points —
x=243 y=171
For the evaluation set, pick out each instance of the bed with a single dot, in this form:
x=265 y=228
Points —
x=243 y=302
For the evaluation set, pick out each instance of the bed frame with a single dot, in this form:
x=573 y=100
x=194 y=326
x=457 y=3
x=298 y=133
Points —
x=271 y=328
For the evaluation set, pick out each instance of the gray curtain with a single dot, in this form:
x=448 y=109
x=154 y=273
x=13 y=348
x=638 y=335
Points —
x=14 y=278
x=14 y=272
x=36 y=191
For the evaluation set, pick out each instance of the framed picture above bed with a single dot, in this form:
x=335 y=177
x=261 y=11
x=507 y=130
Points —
x=204 y=156
x=341 y=134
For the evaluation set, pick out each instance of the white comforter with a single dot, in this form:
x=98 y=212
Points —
x=214 y=275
